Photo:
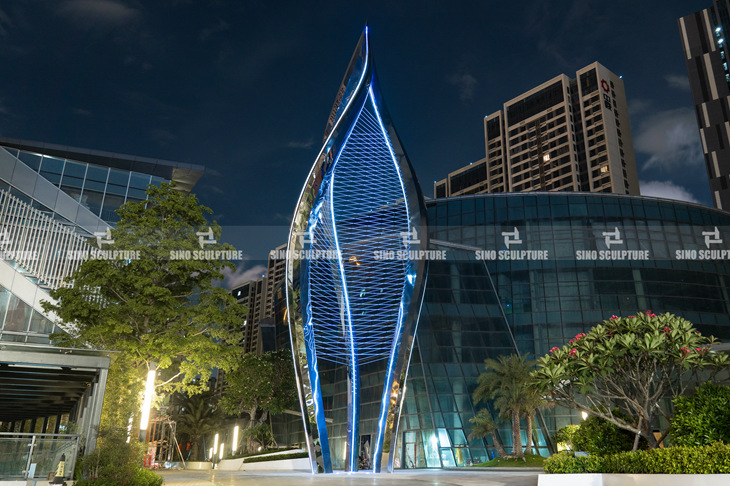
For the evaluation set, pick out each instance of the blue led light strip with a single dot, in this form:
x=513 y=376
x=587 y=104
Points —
x=395 y=346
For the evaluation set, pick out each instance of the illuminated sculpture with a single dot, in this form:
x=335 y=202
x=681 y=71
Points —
x=354 y=280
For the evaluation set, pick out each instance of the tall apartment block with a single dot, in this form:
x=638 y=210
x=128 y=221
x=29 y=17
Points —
x=568 y=134
x=252 y=294
x=703 y=36
x=260 y=297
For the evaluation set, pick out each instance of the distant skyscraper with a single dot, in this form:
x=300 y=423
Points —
x=276 y=270
x=703 y=36
x=260 y=298
x=252 y=294
x=564 y=135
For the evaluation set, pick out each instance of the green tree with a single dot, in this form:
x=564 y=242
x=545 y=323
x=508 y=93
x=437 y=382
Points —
x=628 y=364
x=506 y=382
x=199 y=416
x=702 y=418
x=482 y=426
x=565 y=435
x=261 y=385
x=116 y=462
x=151 y=297
x=599 y=436
x=261 y=434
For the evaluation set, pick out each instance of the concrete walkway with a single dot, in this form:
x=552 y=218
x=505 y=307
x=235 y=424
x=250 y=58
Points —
x=424 y=477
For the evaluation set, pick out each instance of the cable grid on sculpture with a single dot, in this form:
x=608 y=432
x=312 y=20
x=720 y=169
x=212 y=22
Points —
x=367 y=210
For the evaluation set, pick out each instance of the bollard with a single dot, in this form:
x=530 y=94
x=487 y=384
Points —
x=60 y=471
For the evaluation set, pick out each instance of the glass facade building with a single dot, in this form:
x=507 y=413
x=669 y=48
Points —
x=52 y=200
x=569 y=271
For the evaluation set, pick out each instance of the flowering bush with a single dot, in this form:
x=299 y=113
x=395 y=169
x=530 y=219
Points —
x=627 y=364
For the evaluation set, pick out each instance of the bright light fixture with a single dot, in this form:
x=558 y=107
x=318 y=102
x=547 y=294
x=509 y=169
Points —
x=221 y=454
x=149 y=392
x=210 y=453
x=234 y=445
x=215 y=444
x=584 y=415
x=129 y=428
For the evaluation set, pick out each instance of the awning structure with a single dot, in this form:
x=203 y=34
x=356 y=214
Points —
x=37 y=382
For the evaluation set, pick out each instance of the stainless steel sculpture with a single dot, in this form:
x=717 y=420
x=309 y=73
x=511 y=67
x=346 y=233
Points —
x=355 y=278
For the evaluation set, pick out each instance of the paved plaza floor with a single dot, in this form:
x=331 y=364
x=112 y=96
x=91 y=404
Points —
x=425 y=477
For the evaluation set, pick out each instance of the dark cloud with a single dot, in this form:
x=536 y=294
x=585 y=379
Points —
x=220 y=26
x=4 y=23
x=301 y=145
x=671 y=140
x=465 y=83
x=678 y=81
x=242 y=274
x=96 y=13
x=161 y=136
x=666 y=190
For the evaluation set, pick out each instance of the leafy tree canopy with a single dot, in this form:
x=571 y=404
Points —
x=702 y=418
x=154 y=299
x=628 y=364
x=261 y=385
x=198 y=416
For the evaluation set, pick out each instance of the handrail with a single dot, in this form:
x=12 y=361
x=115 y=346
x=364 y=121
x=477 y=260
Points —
x=31 y=434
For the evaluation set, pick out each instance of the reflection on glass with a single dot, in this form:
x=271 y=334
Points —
x=92 y=200
x=40 y=324
x=111 y=204
x=17 y=316
x=31 y=160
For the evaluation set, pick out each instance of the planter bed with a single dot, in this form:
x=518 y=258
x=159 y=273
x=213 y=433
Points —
x=596 y=479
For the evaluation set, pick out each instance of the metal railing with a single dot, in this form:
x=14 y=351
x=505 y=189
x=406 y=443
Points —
x=42 y=246
x=25 y=456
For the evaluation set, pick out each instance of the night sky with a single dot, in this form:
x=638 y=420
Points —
x=245 y=88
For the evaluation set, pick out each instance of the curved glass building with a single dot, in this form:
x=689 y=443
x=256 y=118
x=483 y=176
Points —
x=354 y=281
x=528 y=271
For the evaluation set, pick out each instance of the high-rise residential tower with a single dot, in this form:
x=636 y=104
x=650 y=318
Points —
x=568 y=134
x=703 y=36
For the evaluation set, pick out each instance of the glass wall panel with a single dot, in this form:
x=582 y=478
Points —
x=4 y=298
x=31 y=160
x=17 y=316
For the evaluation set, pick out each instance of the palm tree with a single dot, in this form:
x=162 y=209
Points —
x=483 y=425
x=506 y=382
x=532 y=401
x=198 y=417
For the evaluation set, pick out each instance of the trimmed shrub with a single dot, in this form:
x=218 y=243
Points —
x=566 y=463
x=565 y=436
x=711 y=459
x=702 y=418
x=145 y=477
x=598 y=436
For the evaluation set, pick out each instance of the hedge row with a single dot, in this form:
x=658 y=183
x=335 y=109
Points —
x=143 y=477
x=711 y=459
x=276 y=457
